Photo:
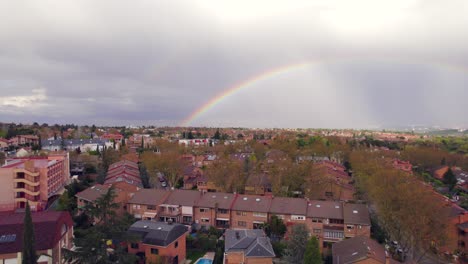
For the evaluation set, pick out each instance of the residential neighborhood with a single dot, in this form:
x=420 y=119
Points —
x=167 y=202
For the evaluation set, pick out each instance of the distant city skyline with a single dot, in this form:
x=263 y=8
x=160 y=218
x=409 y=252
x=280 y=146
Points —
x=266 y=64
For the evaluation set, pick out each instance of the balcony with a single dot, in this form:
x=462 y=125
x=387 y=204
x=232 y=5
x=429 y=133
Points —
x=23 y=197
x=30 y=192
x=20 y=172
x=27 y=181
x=169 y=211
x=222 y=223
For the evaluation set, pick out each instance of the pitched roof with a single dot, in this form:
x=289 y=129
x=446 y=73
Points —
x=121 y=163
x=356 y=249
x=213 y=199
x=286 y=205
x=157 y=233
x=356 y=214
x=93 y=192
x=325 y=209
x=183 y=197
x=149 y=197
x=47 y=230
x=72 y=142
x=253 y=243
x=124 y=170
x=252 y=203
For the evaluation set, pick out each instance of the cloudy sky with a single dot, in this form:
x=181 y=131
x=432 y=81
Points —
x=366 y=63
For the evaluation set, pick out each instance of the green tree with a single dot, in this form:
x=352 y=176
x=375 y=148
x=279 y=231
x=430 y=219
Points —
x=29 y=251
x=296 y=245
x=190 y=135
x=2 y=157
x=450 y=179
x=103 y=208
x=275 y=228
x=312 y=252
x=217 y=134
x=93 y=244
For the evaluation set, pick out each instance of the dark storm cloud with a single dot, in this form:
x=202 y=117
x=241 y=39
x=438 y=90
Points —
x=122 y=62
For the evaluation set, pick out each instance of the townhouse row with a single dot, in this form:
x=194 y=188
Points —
x=328 y=220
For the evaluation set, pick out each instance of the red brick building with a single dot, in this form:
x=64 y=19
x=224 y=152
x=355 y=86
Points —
x=214 y=209
x=247 y=246
x=361 y=250
x=52 y=230
x=33 y=180
x=159 y=241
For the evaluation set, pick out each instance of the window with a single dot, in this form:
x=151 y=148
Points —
x=134 y=245
x=242 y=223
x=187 y=219
x=280 y=217
x=336 y=221
x=297 y=217
x=332 y=234
x=350 y=227
x=316 y=220
x=205 y=220
x=257 y=214
x=203 y=210
x=317 y=231
x=176 y=244
x=241 y=213
x=154 y=251
x=151 y=207
x=222 y=211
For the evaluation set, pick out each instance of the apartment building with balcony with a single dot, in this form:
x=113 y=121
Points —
x=250 y=211
x=290 y=210
x=34 y=179
x=325 y=220
x=178 y=207
x=144 y=204
x=214 y=209
x=356 y=220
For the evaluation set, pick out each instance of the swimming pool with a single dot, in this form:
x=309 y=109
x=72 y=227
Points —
x=204 y=261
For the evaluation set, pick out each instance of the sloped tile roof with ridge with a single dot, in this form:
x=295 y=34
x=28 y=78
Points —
x=157 y=233
x=253 y=243
x=149 y=197
x=252 y=203
x=47 y=230
x=287 y=205
x=356 y=214
x=357 y=249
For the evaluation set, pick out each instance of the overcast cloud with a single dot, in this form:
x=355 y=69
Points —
x=373 y=62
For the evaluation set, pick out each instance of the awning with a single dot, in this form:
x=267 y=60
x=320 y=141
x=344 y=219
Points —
x=222 y=219
x=149 y=215
x=258 y=222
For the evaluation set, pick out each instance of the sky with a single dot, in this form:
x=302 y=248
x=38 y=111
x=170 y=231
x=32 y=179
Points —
x=364 y=63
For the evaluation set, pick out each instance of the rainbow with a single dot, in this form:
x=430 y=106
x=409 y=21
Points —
x=242 y=85
x=293 y=67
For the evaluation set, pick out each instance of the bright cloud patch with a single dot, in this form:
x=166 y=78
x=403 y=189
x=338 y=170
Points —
x=38 y=96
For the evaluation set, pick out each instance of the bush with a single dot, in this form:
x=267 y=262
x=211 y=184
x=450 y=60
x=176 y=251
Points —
x=279 y=248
